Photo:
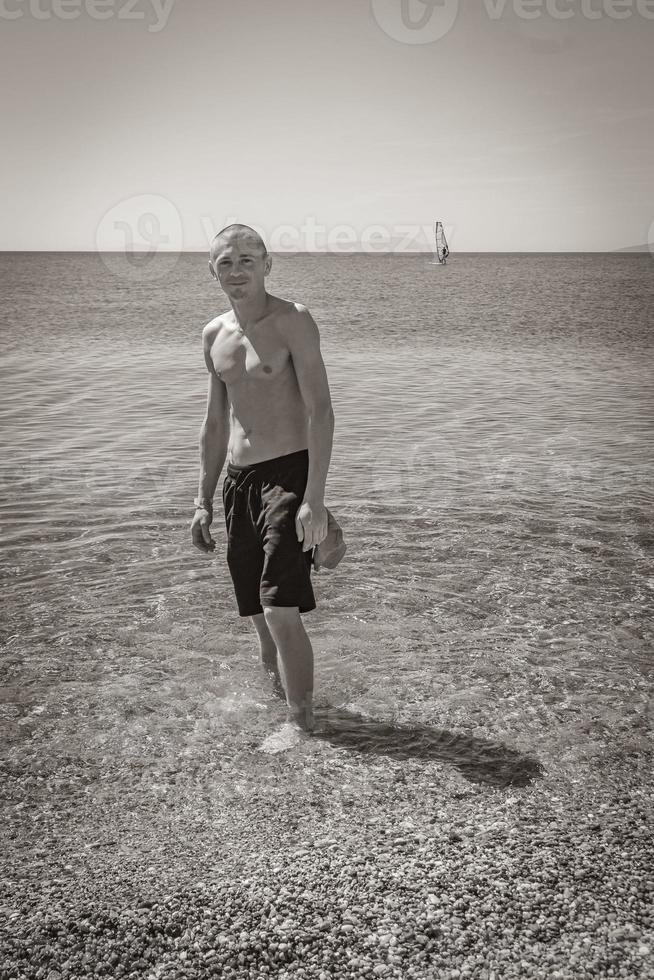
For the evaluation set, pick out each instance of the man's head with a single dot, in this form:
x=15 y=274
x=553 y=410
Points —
x=239 y=260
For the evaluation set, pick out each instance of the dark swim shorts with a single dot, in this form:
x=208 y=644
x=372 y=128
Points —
x=265 y=558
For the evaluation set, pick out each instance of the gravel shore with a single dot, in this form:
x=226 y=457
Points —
x=406 y=867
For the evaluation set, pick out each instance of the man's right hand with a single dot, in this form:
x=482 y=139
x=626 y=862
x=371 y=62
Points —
x=200 y=530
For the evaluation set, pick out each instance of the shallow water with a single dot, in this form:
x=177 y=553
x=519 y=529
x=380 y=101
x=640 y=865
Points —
x=492 y=469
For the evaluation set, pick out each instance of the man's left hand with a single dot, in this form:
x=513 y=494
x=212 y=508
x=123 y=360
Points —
x=311 y=524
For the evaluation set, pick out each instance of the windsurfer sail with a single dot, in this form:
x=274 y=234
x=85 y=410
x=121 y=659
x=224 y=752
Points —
x=442 y=249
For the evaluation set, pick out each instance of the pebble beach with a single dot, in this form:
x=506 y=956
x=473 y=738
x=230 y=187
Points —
x=410 y=867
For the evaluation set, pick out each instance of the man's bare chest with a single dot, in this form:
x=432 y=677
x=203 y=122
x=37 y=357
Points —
x=237 y=357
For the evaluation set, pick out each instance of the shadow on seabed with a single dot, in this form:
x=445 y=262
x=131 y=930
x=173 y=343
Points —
x=477 y=759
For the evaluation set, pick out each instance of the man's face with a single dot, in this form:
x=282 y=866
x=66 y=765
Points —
x=240 y=267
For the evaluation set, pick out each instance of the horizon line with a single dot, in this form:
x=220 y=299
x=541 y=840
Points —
x=633 y=249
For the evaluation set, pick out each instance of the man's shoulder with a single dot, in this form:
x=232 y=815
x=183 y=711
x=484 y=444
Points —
x=293 y=316
x=298 y=330
x=211 y=330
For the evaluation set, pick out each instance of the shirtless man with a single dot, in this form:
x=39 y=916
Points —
x=269 y=411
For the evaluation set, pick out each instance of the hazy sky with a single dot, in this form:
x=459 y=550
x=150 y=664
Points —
x=522 y=127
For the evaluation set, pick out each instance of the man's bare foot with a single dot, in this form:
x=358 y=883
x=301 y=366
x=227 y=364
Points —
x=302 y=718
x=287 y=737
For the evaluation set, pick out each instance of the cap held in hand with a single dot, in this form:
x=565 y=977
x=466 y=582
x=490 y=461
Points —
x=332 y=548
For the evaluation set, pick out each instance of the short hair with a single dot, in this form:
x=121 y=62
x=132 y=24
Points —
x=236 y=231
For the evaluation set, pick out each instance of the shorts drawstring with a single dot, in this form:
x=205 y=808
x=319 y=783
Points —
x=242 y=492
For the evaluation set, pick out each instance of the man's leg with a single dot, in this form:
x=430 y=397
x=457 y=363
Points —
x=268 y=655
x=296 y=661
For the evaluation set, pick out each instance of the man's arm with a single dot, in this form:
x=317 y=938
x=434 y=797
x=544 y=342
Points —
x=304 y=345
x=214 y=441
x=214 y=433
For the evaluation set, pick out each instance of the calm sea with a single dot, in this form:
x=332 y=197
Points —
x=492 y=470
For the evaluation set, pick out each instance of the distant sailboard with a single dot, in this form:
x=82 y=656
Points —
x=442 y=249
